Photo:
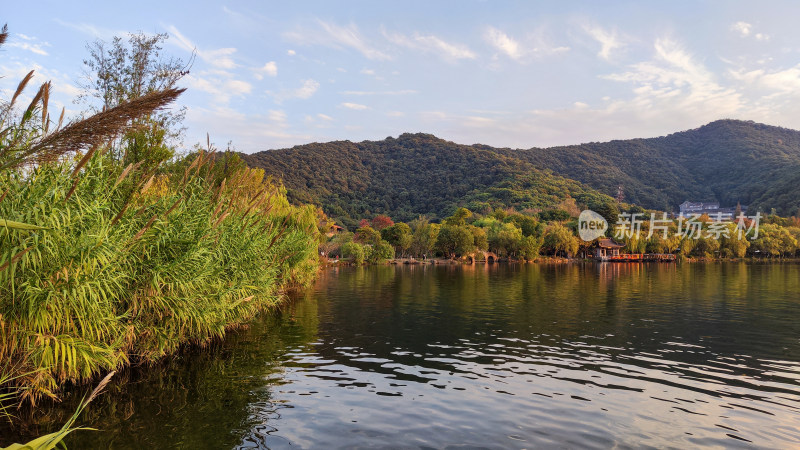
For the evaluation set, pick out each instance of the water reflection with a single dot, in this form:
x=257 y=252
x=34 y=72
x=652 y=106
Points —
x=498 y=356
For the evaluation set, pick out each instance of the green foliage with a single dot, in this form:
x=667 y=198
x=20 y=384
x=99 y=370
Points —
x=560 y=240
x=425 y=235
x=480 y=238
x=527 y=224
x=554 y=215
x=774 y=240
x=398 y=235
x=454 y=240
x=129 y=68
x=126 y=266
x=505 y=239
x=530 y=246
x=459 y=218
x=355 y=252
x=367 y=236
x=380 y=252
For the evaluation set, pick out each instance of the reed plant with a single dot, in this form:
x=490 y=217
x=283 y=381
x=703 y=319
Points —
x=104 y=265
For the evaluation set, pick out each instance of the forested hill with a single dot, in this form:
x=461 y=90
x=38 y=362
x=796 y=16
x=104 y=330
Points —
x=727 y=161
x=415 y=174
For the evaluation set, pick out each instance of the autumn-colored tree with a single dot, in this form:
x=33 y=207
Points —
x=382 y=221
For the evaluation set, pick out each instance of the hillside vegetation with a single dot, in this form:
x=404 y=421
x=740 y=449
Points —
x=415 y=174
x=728 y=161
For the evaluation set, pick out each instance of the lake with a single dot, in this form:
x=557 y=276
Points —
x=581 y=355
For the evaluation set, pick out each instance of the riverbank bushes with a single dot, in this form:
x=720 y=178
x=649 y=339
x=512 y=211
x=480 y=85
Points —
x=108 y=260
x=129 y=266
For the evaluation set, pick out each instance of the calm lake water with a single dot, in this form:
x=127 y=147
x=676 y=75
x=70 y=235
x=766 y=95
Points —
x=495 y=356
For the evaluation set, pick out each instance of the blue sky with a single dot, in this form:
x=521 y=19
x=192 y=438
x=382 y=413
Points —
x=517 y=74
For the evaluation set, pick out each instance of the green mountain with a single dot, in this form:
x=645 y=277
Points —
x=415 y=174
x=728 y=161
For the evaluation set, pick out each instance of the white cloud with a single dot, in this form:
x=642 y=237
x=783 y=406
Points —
x=785 y=81
x=221 y=85
x=221 y=58
x=367 y=72
x=308 y=88
x=276 y=116
x=355 y=106
x=742 y=28
x=291 y=52
x=533 y=45
x=674 y=82
x=251 y=132
x=92 y=30
x=35 y=48
x=269 y=69
x=503 y=42
x=609 y=40
x=361 y=93
x=431 y=44
x=746 y=29
x=331 y=35
x=325 y=117
x=31 y=44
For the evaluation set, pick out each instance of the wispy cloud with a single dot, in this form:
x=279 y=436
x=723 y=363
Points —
x=430 y=44
x=503 y=42
x=745 y=29
x=92 y=30
x=221 y=58
x=609 y=40
x=533 y=44
x=31 y=47
x=355 y=106
x=250 y=132
x=306 y=90
x=335 y=36
x=221 y=85
x=400 y=92
x=786 y=82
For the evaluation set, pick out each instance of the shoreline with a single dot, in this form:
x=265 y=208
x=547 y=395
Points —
x=543 y=260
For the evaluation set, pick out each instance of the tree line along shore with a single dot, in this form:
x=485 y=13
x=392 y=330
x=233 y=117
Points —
x=510 y=235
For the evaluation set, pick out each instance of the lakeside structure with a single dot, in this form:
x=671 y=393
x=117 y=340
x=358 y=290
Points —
x=608 y=250
x=713 y=210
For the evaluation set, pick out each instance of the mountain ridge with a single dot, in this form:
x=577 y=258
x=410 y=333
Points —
x=727 y=160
